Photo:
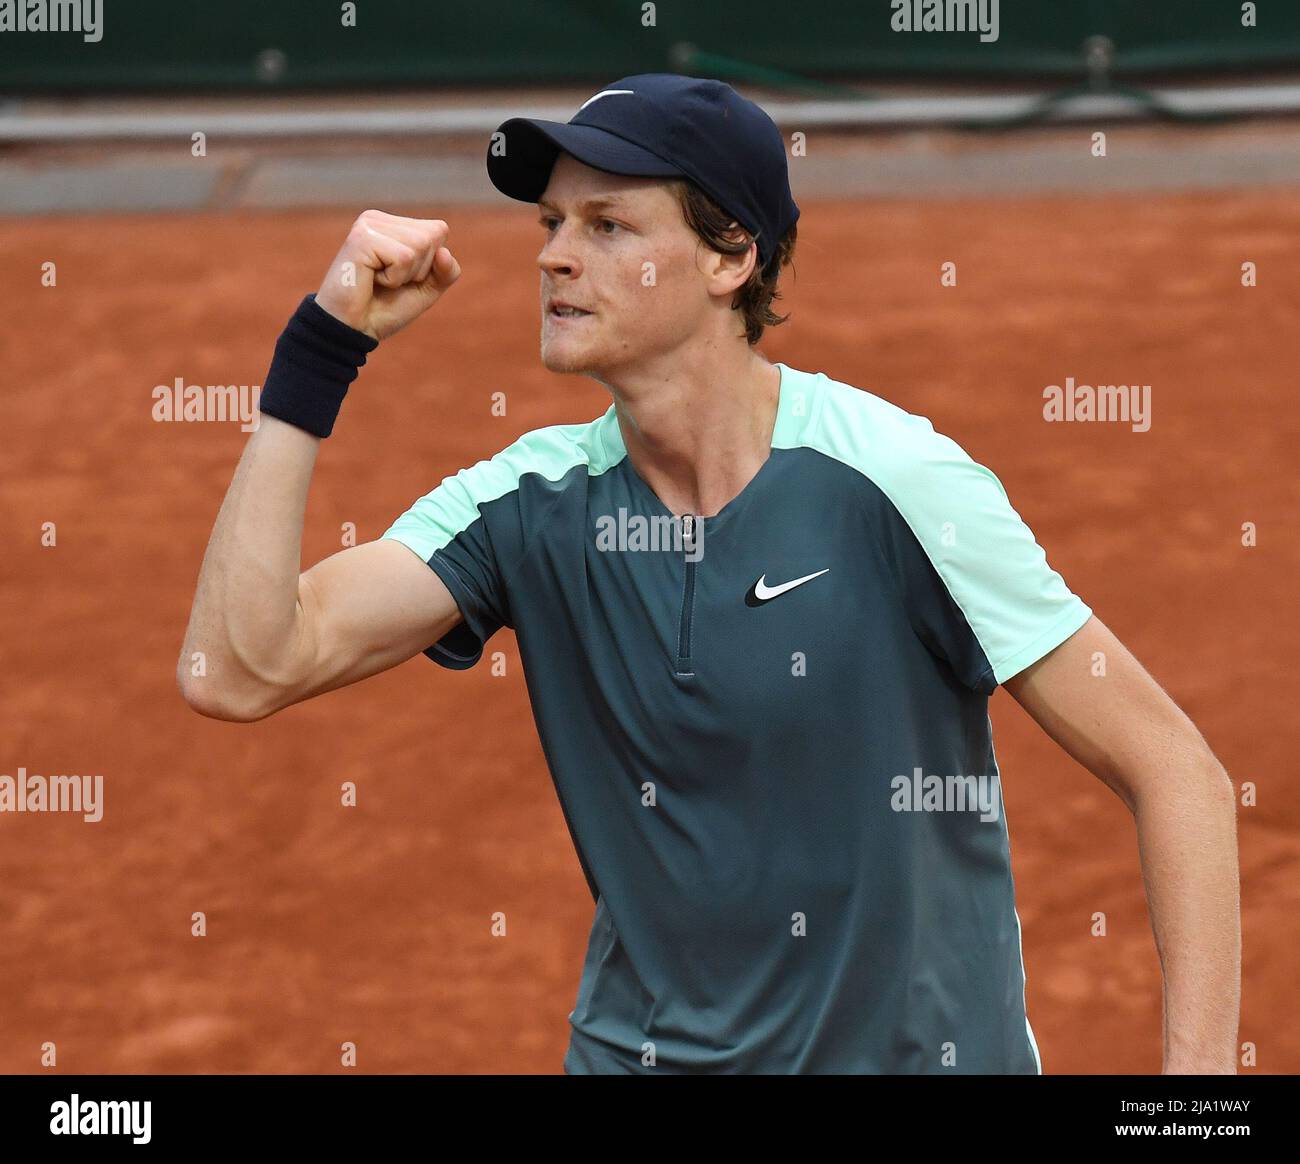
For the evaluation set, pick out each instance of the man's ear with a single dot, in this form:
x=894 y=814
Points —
x=727 y=273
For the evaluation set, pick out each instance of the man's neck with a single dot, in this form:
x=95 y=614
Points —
x=699 y=433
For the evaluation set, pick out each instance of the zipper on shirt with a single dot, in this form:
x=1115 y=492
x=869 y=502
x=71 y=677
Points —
x=684 y=666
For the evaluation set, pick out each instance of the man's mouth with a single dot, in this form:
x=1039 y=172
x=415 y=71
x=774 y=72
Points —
x=559 y=311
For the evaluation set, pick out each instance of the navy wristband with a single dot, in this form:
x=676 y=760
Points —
x=316 y=358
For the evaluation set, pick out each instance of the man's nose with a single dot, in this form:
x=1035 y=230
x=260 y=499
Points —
x=559 y=256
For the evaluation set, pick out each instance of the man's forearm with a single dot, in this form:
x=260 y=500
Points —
x=244 y=613
x=1187 y=838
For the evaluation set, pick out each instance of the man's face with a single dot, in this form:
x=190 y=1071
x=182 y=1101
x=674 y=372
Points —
x=620 y=249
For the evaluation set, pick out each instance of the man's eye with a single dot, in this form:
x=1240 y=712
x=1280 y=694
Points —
x=549 y=222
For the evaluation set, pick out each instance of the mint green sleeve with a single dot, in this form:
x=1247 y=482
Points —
x=467 y=530
x=474 y=527
x=1016 y=606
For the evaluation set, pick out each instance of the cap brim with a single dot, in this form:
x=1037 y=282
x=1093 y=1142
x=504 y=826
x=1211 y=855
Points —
x=523 y=169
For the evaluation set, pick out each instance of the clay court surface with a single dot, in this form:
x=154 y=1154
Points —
x=373 y=924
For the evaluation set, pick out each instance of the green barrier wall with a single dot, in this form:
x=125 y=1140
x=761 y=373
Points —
x=304 y=44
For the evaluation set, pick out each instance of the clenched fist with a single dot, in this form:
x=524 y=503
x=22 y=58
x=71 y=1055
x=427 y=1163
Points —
x=389 y=271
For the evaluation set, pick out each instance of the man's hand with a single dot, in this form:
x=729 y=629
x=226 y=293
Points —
x=389 y=271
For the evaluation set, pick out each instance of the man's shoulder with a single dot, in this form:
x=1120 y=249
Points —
x=877 y=437
x=548 y=454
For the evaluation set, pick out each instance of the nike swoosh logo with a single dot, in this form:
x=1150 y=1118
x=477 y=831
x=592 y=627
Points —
x=603 y=93
x=761 y=592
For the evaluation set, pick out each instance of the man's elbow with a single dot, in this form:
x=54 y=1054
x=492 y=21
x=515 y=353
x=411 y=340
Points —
x=234 y=704
x=1219 y=778
x=1187 y=765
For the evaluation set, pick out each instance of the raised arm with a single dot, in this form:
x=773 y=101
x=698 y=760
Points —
x=261 y=634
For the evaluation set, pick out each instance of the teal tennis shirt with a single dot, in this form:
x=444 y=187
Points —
x=768 y=730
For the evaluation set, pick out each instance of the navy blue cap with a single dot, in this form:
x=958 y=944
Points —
x=662 y=125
